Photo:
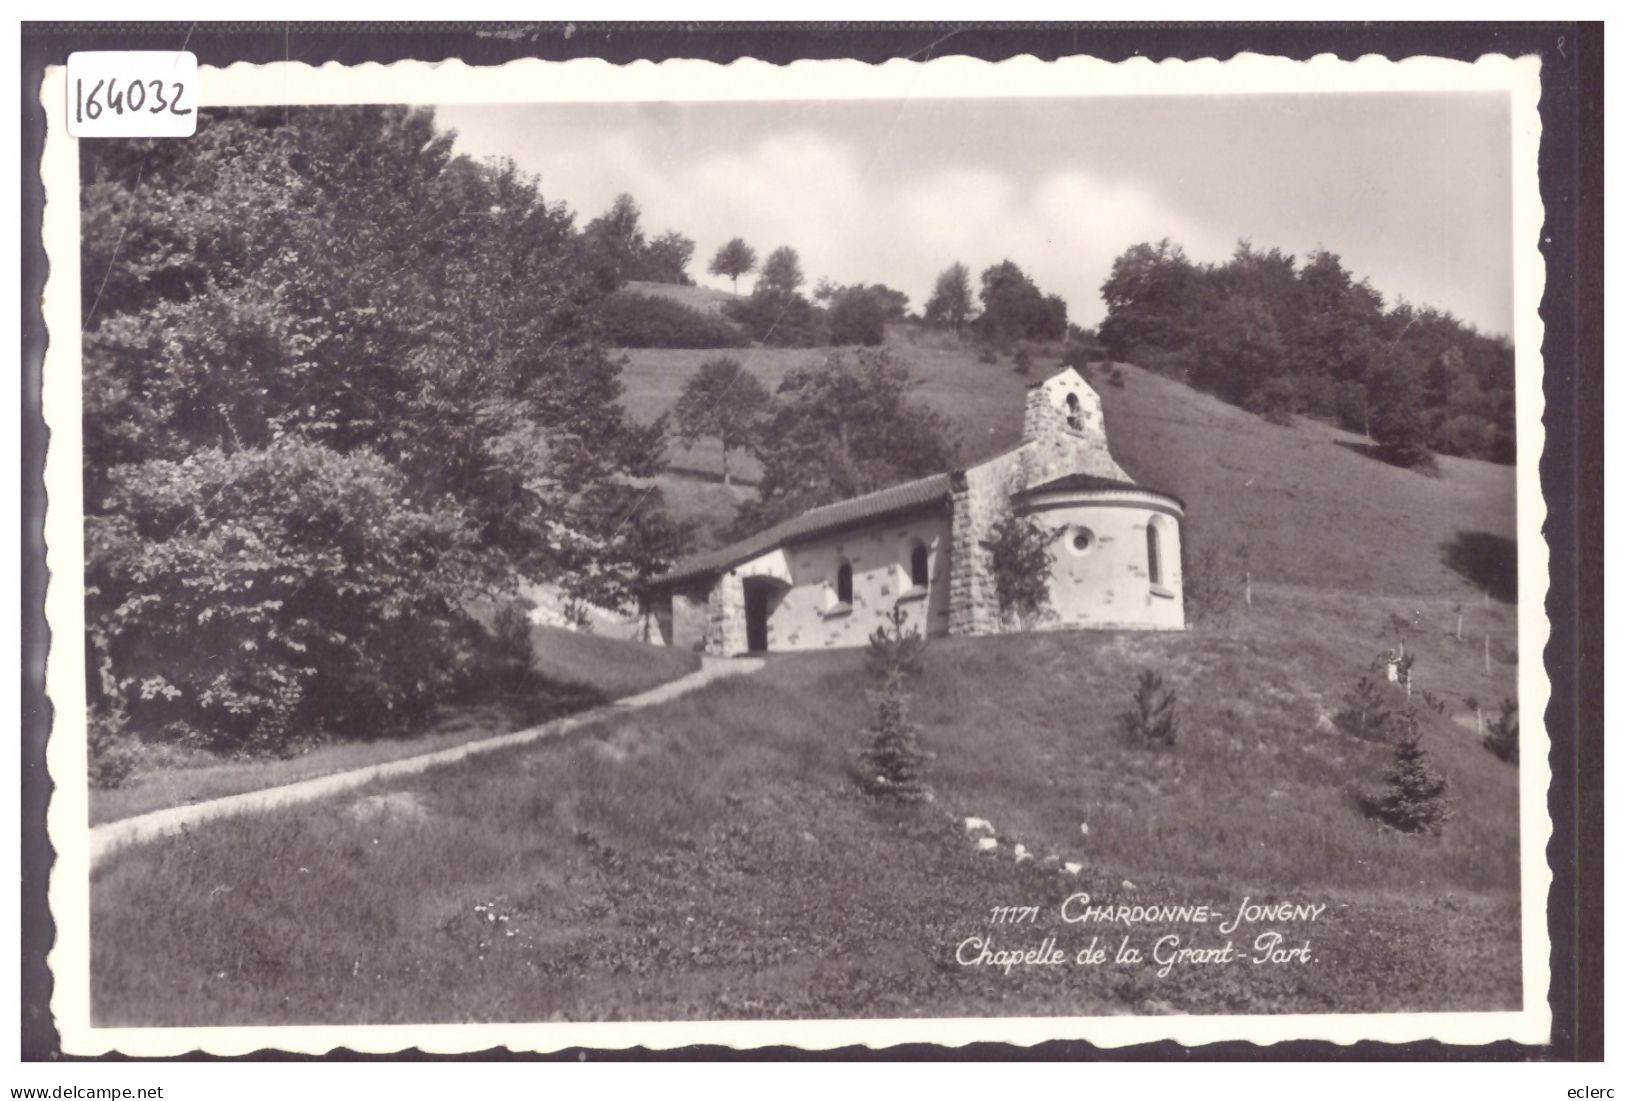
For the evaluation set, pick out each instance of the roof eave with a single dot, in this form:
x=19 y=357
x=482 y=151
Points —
x=712 y=570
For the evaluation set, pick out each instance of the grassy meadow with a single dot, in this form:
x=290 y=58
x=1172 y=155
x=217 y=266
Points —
x=713 y=856
x=1307 y=500
x=572 y=671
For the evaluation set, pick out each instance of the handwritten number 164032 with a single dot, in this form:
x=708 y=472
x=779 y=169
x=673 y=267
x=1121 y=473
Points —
x=130 y=98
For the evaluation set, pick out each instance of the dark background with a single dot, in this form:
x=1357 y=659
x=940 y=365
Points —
x=1571 y=468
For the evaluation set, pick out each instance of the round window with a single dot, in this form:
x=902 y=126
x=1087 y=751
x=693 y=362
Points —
x=1079 y=540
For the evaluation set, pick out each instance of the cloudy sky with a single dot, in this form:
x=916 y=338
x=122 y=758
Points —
x=1413 y=191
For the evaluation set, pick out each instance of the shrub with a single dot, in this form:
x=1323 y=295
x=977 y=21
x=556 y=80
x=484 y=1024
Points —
x=1352 y=405
x=1023 y=361
x=1412 y=799
x=1275 y=400
x=1152 y=719
x=251 y=600
x=1317 y=395
x=893 y=763
x=780 y=320
x=1501 y=736
x=1114 y=376
x=1212 y=583
x=1397 y=424
x=1468 y=435
x=895 y=647
x=633 y=320
x=512 y=648
x=1082 y=347
x=1021 y=562
x=987 y=355
x=113 y=755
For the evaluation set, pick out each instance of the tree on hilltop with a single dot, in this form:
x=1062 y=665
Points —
x=1013 y=308
x=950 y=303
x=781 y=273
x=616 y=239
x=733 y=260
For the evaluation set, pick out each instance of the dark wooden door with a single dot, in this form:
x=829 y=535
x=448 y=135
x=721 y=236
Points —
x=756 y=618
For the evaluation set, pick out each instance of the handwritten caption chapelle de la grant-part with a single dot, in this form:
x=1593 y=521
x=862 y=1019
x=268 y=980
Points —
x=1270 y=946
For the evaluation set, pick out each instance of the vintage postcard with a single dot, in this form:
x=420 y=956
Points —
x=946 y=551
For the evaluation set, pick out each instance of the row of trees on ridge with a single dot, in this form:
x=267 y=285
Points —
x=1280 y=337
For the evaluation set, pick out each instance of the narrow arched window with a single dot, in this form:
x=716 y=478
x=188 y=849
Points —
x=843 y=584
x=1074 y=412
x=1153 y=554
x=919 y=567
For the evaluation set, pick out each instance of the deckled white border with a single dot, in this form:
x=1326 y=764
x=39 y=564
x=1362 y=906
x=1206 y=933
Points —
x=591 y=80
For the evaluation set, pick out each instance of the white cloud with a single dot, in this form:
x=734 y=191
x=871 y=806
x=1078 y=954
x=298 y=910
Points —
x=817 y=194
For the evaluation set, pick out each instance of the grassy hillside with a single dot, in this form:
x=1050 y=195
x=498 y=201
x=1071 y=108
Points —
x=1309 y=501
x=572 y=671
x=712 y=857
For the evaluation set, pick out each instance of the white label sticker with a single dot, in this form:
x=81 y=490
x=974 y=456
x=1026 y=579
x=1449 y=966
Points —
x=132 y=94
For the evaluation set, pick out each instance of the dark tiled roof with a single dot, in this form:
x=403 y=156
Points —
x=1093 y=482
x=883 y=502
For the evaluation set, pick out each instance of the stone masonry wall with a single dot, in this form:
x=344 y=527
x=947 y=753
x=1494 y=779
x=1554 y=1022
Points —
x=1051 y=448
x=725 y=633
x=1054 y=446
x=980 y=497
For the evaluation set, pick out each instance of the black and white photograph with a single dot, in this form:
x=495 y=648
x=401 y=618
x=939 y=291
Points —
x=1049 y=545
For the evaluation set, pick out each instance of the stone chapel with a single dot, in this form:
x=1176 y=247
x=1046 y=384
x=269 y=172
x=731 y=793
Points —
x=827 y=577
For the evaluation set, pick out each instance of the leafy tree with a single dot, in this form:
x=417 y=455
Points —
x=615 y=239
x=1332 y=324
x=275 y=593
x=733 y=260
x=781 y=274
x=846 y=427
x=776 y=313
x=1013 y=308
x=1154 y=299
x=325 y=345
x=1276 y=337
x=1238 y=351
x=857 y=315
x=894 y=304
x=666 y=259
x=1021 y=562
x=724 y=402
x=951 y=303
x=1398 y=424
x=883 y=304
